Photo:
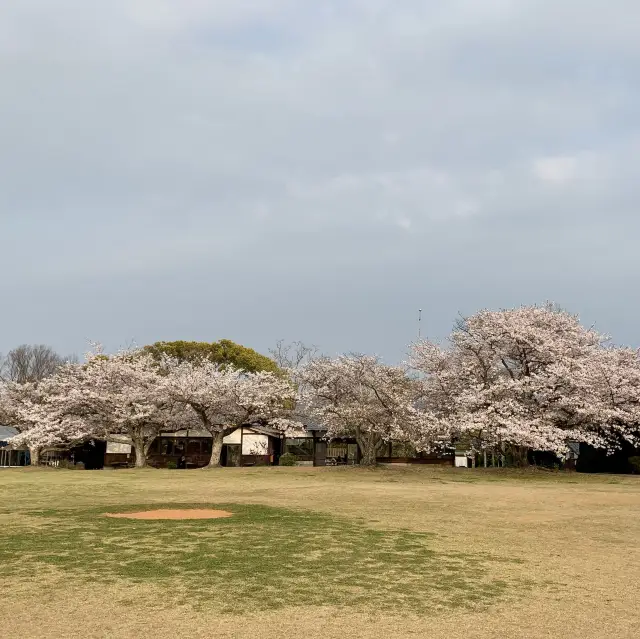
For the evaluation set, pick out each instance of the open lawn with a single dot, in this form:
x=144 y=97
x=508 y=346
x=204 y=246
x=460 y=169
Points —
x=323 y=552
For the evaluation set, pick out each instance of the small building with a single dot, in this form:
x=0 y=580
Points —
x=248 y=445
x=10 y=456
x=312 y=448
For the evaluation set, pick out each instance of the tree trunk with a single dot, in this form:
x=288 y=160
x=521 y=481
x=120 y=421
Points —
x=216 y=450
x=524 y=456
x=484 y=455
x=34 y=455
x=368 y=456
x=368 y=445
x=147 y=446
x=141 y=457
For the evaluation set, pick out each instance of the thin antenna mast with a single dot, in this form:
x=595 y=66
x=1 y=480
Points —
x=419 y=323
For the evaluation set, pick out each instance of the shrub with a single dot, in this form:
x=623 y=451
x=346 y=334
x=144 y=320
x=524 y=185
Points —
x=172 y=465
x=634 y=463
x=288 y=459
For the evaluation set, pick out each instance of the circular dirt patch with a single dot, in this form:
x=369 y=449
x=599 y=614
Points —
x=195 y=513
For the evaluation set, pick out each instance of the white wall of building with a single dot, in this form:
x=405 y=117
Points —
x=118 y=447
x=254 y=444
x=234 y=438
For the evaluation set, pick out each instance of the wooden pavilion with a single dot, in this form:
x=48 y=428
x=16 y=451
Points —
x=9 y=455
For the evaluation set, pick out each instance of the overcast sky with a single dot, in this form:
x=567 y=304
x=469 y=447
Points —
x=265 y=169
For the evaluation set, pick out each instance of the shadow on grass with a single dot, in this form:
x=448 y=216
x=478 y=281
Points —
x=261 y=558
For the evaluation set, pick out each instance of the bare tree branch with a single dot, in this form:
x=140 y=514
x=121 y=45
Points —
x=31 y=363
x=293 y=355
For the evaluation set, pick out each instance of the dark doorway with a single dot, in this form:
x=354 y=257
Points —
x=320 y=454
x=230 y=455
x=91 y=454
x=277 y=447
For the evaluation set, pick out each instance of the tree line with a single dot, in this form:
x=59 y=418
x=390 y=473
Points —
x=529 y=378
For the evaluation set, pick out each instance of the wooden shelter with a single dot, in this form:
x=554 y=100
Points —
x=248 y=445
x=311 y=446
x=9 y=455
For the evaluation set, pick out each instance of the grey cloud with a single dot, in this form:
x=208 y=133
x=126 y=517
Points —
x=313 y=170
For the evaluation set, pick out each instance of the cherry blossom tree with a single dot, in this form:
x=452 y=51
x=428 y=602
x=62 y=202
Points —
x=108 y=396
x=529 y=378
x=38 y=410
x=136 y=396
x=125 y=395
x=606 y=395
x=224 y=398
x=358 y=396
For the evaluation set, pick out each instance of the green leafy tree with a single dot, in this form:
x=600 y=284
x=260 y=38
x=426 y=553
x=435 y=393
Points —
x=224 y=352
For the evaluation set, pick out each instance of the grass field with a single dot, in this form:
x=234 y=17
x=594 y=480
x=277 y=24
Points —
x=424 y=552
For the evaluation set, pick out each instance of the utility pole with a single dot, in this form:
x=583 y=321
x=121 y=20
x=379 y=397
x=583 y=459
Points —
x=419 y=323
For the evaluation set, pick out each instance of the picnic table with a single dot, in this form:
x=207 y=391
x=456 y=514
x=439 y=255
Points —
x=119 y=464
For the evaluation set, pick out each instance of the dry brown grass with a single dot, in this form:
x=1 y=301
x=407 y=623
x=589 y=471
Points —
x=178 y=513
x=575 y=539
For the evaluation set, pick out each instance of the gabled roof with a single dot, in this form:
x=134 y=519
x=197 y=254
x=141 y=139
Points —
x=264 y=430
x=315 y=427
x=198 y=432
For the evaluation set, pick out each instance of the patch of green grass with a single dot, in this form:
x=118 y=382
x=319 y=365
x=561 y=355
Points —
x=261 y=558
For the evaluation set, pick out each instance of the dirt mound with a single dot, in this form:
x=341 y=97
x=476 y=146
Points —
x=195 y=513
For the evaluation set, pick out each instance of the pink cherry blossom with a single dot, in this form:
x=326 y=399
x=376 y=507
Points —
x=358 y=396
x=221 y=399
x=532 y=378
